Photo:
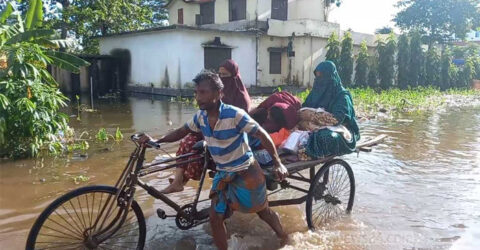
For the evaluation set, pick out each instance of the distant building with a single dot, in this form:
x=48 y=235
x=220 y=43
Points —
x=473 y=36
x=275 y=42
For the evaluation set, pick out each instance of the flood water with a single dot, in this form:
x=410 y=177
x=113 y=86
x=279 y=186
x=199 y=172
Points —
x=419 y=190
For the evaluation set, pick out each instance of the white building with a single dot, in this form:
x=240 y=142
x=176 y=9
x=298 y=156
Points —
x=254 y=33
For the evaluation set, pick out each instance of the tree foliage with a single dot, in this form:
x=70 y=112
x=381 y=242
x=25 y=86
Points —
x=467 y=73
x=432 y=69
x=415 y=66
x=386 y=61
x=438 y=20
x=345 y=67
x=445 y=69
x=372 y=71
x=361 y=69
x=29 y=96
x=384 y=30
x=333 y=48
x=403 y=59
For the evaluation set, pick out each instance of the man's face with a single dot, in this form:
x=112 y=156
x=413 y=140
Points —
x=206 y=96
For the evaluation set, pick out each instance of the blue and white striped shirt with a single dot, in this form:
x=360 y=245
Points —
x=228 y=142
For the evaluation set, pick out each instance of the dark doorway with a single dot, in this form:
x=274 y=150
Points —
x=280 y=9
x=207 y=13
x=215 y=56
x=122 y=72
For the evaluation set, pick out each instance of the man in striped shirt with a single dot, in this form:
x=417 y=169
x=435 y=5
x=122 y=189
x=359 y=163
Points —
x=239 y=183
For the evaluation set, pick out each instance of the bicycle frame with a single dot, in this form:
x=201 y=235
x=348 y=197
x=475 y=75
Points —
x=126 y=186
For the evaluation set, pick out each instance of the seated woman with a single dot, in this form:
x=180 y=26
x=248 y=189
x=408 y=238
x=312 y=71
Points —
x=234 y=93
x=277 y=111
x=329 y=94
x=277 y=115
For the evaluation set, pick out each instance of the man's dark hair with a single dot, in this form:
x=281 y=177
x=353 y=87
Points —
x=211 y=77
x=277 y=116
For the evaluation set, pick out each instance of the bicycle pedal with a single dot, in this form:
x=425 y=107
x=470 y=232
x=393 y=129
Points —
x=161 y=213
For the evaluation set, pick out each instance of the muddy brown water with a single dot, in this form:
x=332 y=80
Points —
x=419 y=190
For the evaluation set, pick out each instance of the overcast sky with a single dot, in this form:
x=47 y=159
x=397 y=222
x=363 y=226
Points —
x=364 y=15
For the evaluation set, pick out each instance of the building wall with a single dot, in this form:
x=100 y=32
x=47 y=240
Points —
x=301 y=27
x=309 y=51
x=189 y=12
x=297 y=9
x=176 y=56
x=264 y=76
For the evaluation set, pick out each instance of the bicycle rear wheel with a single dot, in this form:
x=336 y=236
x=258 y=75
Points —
x=68 y=222
x=331 y=193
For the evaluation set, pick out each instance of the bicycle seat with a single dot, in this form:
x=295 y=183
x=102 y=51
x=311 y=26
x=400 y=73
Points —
x=200 y=146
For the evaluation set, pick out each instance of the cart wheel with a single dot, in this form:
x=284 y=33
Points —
x=69 y=222
x=331 y=193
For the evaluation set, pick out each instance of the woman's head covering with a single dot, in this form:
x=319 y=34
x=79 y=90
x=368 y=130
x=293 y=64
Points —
x=234 y=92
x=325 y=88
x=287 y=104
x=329 y=94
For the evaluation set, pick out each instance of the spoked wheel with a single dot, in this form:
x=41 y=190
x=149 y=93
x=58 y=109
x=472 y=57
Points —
x=69 y=222
x=331 y=193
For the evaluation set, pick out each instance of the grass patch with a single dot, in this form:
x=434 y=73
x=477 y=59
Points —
x=368 y=102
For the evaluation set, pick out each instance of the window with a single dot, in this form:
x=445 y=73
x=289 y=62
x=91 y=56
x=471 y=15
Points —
x=275 y=62
x=279 y=9
x=213 y=57
x=207 y=13
x=237 y=9
x=180 y=16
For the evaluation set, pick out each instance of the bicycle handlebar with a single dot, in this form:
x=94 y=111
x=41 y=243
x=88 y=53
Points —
x=153 y=144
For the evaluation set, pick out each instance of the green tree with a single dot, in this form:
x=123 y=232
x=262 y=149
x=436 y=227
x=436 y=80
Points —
x=432 y=70
x=415 y=67
x=373 y=72
x=333 y=49
x=29 y=96
x=345 y=67
x=386 y=61
x=476 y=64
x=438 y=20
x=445 y=69
x=467 y=73
x=454 y=74
x=361 y=69
x=385 y=30
x=403 y=59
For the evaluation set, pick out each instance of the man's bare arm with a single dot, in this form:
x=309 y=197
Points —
x=175 y=135
x=268 y=144
x=280 y=171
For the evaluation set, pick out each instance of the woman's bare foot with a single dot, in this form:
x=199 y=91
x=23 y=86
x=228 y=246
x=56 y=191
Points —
x=172 y=188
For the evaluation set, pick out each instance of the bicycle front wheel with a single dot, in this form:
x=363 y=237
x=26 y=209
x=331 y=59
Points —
x=74 y=220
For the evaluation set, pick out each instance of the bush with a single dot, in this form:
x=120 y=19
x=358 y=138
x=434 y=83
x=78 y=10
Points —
x=29 y=96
